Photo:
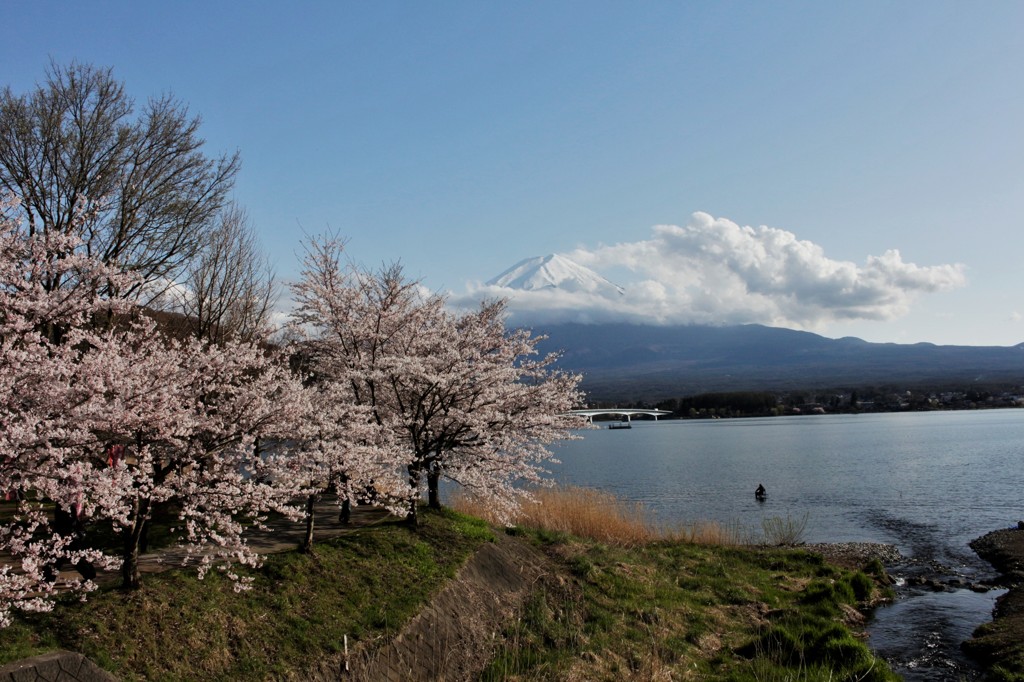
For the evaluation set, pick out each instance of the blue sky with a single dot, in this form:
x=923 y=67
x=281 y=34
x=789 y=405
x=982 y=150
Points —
x=462 y=137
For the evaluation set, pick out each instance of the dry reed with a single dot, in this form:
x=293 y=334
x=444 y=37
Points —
x=601 y=516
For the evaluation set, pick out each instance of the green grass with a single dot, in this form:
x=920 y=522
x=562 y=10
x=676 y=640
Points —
x=176 y=627
x=671 y=610
x=999 y=643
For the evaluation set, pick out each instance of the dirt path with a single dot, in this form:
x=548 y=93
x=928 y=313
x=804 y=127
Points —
x=282 y=536
x=454 y=636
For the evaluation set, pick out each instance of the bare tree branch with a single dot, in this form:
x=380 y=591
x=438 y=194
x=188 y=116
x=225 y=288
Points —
x=230 y=287
x=73 y=144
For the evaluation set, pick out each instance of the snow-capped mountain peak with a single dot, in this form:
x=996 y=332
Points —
x=555 y=272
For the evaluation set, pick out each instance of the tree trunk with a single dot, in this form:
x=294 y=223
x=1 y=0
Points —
x=414 y=483
x=130 y=577
x=63 y=526
x=144 y=537
x=433 y=483
x=342 y=489
x=307 y=542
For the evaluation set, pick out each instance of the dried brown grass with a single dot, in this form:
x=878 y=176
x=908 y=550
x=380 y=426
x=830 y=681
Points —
x=600 y=516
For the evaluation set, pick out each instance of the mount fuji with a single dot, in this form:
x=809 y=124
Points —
x=555 y=272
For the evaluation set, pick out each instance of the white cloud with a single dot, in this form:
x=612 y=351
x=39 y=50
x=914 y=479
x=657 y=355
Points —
x=713 y=271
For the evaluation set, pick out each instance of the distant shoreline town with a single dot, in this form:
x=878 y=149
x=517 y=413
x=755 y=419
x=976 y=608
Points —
x=732 y=404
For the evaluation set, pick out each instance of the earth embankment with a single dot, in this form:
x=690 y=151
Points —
x=999 y=645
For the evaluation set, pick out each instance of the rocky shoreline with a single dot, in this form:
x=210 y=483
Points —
x=920 y=575
x=999 y=645
x=1004 y=549
x=855 y=554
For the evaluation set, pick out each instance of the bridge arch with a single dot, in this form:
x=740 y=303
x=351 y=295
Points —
x=620 y=411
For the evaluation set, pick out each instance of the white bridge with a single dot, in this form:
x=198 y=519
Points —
x=620 y=411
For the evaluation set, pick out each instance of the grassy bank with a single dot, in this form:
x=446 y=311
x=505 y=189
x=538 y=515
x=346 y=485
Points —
x=176 y=627
x=630 y=599
x=1000 y=643
x=638 y=602
x=671 y=610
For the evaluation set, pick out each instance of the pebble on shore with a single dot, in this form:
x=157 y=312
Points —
x=1004 y=549
x=856 y=554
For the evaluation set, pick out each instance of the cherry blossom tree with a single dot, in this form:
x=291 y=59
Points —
x=37 y=373
x=342 y=450
x=185 y=419
x=345 y=325
x=103 y=422
x=489 y=407
x=462 y=397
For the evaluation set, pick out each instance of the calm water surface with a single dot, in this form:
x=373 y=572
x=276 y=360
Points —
x=926 y=482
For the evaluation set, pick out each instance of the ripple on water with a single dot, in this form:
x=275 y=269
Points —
x=920 y=635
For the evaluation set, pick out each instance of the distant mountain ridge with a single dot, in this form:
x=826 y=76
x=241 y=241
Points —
x=629 y=362
x=640 y=362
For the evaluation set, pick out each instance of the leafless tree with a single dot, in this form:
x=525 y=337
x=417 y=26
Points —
x=75 y=146
x=230 y=287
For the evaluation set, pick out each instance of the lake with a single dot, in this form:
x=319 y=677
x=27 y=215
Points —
x=928 y=482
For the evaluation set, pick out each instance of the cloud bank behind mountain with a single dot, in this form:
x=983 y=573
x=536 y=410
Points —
x=713 y=271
